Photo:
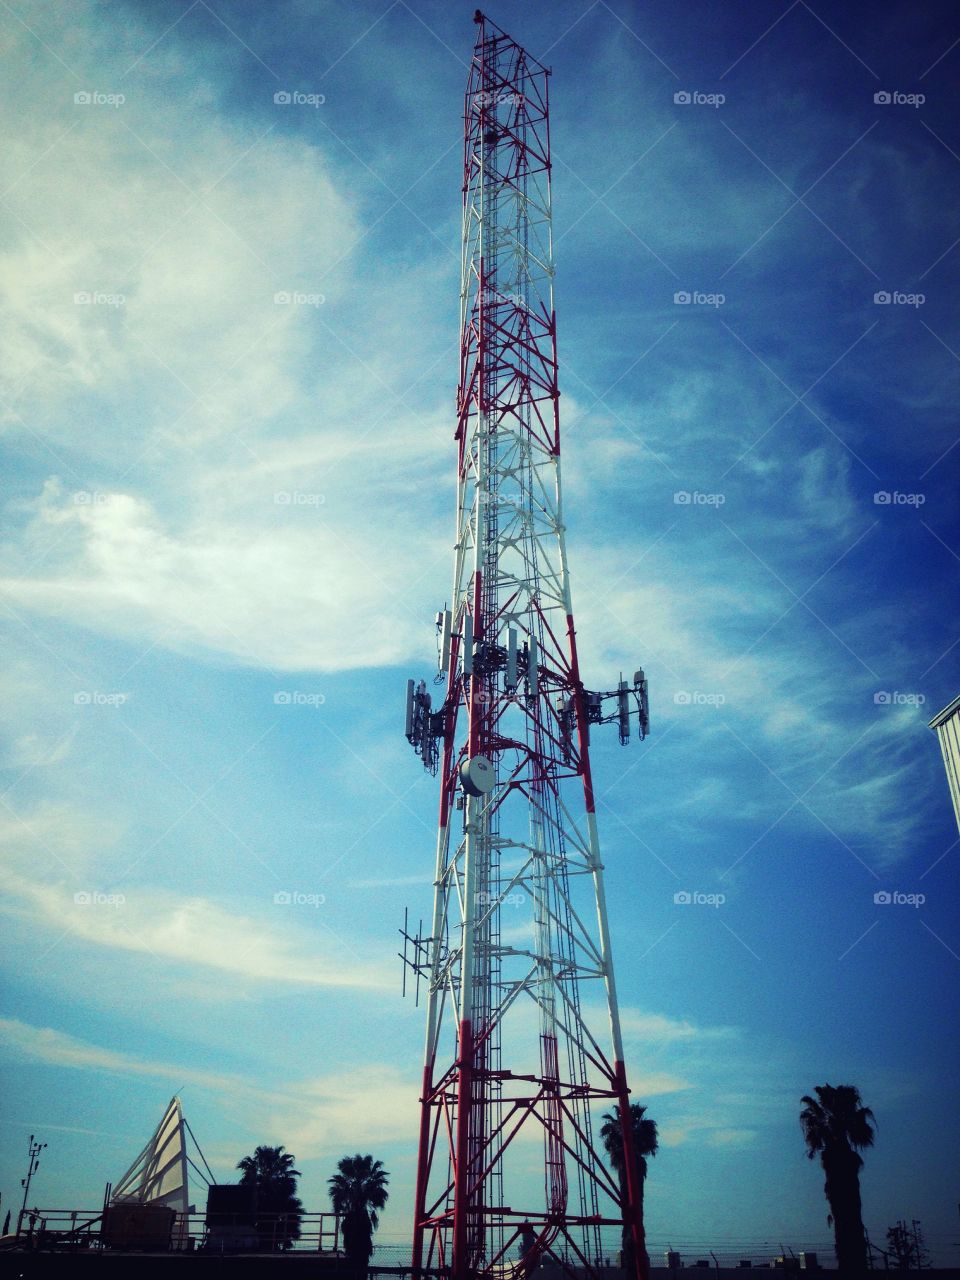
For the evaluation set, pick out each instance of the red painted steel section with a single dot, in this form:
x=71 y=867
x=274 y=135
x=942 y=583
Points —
x=631 y=1214
x=423 y=1168
x=461 y=1172
x=582 y=730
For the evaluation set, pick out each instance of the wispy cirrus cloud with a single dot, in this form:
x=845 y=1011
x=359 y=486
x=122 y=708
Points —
x=236 y=590
x=194 y=931
x=316 y=1115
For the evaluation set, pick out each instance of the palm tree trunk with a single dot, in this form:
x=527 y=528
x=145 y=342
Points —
x=628 y=1255
x=645 y=1260
x=843 y=1195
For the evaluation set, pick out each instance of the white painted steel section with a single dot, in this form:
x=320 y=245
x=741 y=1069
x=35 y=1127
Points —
x=616 y=1033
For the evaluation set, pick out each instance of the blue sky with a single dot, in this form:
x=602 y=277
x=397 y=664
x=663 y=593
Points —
x=227 y=529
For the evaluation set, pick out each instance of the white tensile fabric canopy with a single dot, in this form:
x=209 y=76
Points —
x=159 y=1174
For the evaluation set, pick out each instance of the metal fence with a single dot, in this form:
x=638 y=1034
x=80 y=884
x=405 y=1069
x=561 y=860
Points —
x=698 y=1255
x=67 y=1230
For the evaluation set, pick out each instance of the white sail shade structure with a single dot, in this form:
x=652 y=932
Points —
x=160 y=1174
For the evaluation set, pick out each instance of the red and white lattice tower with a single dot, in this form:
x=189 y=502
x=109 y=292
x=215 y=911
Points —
x=523 y=1044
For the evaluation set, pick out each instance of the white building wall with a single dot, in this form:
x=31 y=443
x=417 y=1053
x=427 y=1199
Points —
x=947 y=725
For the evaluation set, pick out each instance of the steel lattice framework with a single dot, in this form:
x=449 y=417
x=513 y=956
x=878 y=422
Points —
x=523 y=1034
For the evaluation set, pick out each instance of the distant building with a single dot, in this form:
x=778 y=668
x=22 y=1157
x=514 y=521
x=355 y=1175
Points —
x=947 y=725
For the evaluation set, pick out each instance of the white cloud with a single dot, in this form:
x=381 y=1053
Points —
x=277 y=597
x=192 y=214
x=778 y=684
x=73 y=837
x=45 y=1044
x=713 y=1061
x=730 y=1137
x=335 y=1110
x=659 y=1029
x=31 y=751
x=219 y=400
x=688 y=1129
x=196 y=932
x=214 y=447
x=316 y=1115
x=654 y=1084
x=389 y=882
x=824 y=495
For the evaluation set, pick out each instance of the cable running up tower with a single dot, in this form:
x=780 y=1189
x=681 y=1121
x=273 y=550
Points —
x=523 y=1042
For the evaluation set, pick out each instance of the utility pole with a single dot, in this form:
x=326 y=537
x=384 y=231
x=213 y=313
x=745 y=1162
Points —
x=919 y=1248
x=33 y=1164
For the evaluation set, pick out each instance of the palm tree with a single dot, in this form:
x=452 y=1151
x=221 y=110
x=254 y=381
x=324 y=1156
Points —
x=279 y=1211
x=836 y=1126
x=357 y=1191
x=645 y=1143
